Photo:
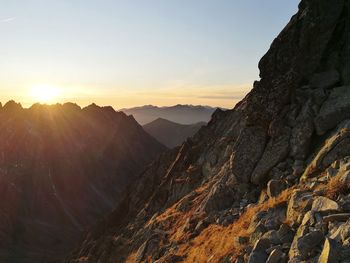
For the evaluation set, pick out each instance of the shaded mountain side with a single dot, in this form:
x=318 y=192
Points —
x=268 y=181
x=169 y=133
x=61 y=169
x=182 y=114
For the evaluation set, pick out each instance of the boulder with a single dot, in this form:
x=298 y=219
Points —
x=329 y=253
x=259 y=254
x=276 y=256
x=337 y=146
x=275 y=187
x=345 y=231
x=303 y=245
x=342 y=217
x=285 y=233
x=334 y=110
x=300 y=202
x=273 y=237
x=323 y=204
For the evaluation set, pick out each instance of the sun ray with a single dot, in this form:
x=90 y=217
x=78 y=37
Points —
x=45 y=93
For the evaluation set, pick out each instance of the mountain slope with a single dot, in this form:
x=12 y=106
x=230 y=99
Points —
x=268 y=181
x=183 y=114
x=169 y=133
x=61 y=169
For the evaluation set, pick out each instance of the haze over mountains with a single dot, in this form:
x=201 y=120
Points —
x=268 y=181
x=61 y=169
x=182 y=114
x=171 y=134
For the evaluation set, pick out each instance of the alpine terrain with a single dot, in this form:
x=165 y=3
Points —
x=267 y=181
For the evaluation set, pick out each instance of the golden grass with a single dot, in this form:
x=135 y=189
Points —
x=216 y=242
x=335 y=187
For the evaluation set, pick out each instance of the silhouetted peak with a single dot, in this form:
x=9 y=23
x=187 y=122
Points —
x=92 y=107
x=108 y=109
x=71 y=106
x=12 y=106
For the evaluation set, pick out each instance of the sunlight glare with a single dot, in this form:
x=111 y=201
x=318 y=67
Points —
x=45 y=93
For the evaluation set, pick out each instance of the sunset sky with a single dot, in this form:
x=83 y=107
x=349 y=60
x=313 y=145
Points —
x=135 y=52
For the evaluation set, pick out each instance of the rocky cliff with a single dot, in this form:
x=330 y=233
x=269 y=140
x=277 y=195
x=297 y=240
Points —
x=267 y=181
x=61 y=169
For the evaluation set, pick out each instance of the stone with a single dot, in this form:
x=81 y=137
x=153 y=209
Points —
x=308 y=219
x=334 y=110
x=276 y=256
x=258 y=232
x=345 y=231
x=262 y=244
x=299 y=203
x=259 y=254
x=272 y=236
x=329 y=253
x=324 y=80
x=285 y=233
x=258 y=257
x=303 y=245
x=275 y=187
x=323 y=204
x=342 y=217
x=298 y=170
x=331 y=172
x=337 y=146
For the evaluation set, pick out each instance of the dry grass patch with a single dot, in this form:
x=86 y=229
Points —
x=216 y=242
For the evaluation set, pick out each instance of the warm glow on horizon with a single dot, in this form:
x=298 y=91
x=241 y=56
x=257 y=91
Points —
x=44 y=93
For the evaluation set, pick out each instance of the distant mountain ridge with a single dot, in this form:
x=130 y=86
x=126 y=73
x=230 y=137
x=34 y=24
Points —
x=182 y=114
x=171 y=134
x=62 y=168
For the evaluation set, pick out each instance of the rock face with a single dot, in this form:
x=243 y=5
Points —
x=61 y=169
x=291 y=128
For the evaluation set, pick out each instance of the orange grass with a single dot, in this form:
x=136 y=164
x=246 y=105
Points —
x=216 y=242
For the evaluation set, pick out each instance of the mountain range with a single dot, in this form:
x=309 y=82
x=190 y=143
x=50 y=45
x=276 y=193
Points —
x=268 y=181
x=171 y=134
x=63 y=168
x=182 y=114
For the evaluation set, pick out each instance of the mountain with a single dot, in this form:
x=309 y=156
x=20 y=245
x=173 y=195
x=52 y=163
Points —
x=171 y=134
x=62 y=168
x=183 y=114
x=268 y=181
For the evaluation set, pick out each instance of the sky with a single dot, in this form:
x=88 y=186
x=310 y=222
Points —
x=135 y=52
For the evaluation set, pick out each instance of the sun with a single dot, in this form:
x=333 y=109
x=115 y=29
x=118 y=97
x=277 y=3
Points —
x=45 y=93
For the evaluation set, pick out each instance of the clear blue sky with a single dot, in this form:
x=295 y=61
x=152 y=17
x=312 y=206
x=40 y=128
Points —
x=129 y=52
